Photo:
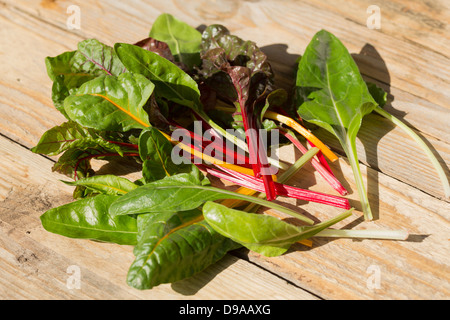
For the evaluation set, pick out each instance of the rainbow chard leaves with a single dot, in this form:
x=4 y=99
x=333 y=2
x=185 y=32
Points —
x=173 y=246
x=261 y=233
x=89 y=219
x=332 y=94
x=71 y=69
x=111 y=103
x=183 y=40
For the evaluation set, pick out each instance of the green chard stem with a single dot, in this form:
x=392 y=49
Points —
x=352 y=157
x=423 y=145
x=364 y=234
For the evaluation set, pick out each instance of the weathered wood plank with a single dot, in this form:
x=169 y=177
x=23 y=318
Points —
x=424 y=23
x=35 y=261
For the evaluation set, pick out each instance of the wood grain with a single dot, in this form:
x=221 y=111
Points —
x=408 y=57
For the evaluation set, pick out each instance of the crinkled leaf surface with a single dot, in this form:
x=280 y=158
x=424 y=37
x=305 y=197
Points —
x=173 y=246
x=111 y=103
x=75 y=162
x=89 y=219
x=71 y=69
x=239 y=52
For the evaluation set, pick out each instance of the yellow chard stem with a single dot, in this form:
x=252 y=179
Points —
x=303 y=131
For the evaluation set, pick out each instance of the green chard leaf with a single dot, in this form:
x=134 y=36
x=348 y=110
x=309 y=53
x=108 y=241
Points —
x=71 y=69
x=89 y=219
x=111 y=103
x=155 y=151
x=75 y=162
x=105 y=184
x=170 y=81
x=264 y=234
x=171 y=194
x=71 y=135
x=332 y=94
x=183 y=40
x=173 y=246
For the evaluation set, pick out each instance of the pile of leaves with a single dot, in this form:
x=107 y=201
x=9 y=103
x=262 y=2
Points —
x=129 y=100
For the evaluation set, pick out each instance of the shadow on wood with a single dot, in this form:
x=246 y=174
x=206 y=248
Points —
x=192 y=285
x=369 y=55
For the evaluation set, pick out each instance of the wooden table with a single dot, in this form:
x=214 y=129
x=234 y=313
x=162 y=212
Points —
x=408 y=57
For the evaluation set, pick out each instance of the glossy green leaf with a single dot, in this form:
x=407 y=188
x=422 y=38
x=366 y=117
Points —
x=111 y=103
x=105 y=184
x=183 y=40
x=89 y=219
x=332 y=94
x=260 y=233
x=71 y=69
x=171 y=82
x=71 y=135
x=173 y=246
x=155 y=150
